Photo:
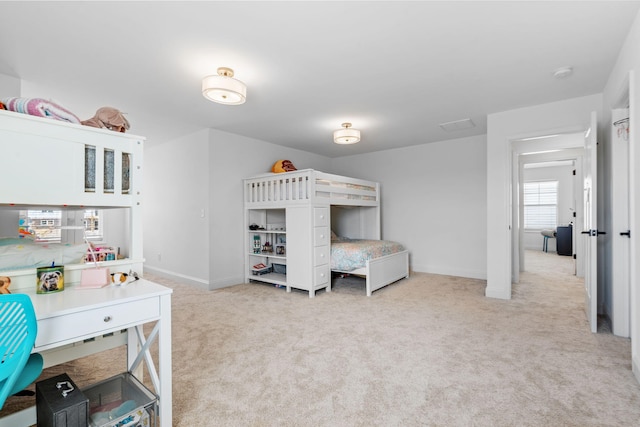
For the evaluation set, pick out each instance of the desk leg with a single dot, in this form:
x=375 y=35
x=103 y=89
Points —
x=133 y=349
x=138 y=350
x=164 y=355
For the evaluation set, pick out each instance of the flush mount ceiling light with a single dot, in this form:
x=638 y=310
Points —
x=223 y=88
x=346 y=135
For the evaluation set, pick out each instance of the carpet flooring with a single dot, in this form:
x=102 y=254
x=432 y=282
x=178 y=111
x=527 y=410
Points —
x=430 y=350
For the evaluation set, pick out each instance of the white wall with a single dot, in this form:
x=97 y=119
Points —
x=564 y=175
x=194 y=226
x=567 y=116
x=433 y=202
x=9 y=86
x=176 y=195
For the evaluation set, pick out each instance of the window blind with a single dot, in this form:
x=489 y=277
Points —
x=540 y=205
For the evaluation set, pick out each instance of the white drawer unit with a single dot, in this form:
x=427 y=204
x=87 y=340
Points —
x=321 y=248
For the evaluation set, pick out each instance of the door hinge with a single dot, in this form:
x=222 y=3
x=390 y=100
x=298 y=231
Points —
x=574 y=256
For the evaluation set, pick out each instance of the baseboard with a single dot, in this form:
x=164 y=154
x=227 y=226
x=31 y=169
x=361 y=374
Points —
x=446 y=271
x=226 y=282
x=189 y=280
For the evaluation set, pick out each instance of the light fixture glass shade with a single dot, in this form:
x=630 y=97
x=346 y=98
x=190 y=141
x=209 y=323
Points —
x=223 y=88
x=346 y=135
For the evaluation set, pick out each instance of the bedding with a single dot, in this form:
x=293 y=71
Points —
x=351 y=254
x=40 y=107
x=17 y=254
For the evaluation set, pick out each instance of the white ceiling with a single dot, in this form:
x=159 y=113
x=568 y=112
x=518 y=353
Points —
x=394 y=69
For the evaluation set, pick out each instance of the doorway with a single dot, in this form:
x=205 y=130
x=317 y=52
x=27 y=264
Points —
x=548 y=211
x=552 y=151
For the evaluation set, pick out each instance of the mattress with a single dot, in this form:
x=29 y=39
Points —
x=17 y=254
x=351 y=254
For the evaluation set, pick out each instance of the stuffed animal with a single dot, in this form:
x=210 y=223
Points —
x=283 y=166
x=4 y=285
x=119 y=278
x=110 y=118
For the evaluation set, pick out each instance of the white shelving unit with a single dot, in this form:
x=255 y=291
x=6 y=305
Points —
x=298 y=238
x=266 y=245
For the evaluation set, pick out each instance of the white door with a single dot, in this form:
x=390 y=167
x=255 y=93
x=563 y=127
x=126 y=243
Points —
x=620 y=239
x=590 y=232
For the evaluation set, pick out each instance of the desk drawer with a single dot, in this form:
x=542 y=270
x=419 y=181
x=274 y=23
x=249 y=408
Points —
x=95 y=322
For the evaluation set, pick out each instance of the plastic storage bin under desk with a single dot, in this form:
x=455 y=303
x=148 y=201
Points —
x=121 y=401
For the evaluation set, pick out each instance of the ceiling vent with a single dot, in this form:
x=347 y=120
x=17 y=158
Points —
x=457 y=125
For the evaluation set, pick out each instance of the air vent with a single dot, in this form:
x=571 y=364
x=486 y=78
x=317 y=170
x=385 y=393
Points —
x=457 y=125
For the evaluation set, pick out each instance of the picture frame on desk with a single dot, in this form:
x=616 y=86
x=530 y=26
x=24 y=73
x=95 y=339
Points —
x=281 y=249
x=50 y=279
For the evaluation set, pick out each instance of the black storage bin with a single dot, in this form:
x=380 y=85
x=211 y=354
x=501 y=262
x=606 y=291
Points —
x=60 y=403
x=564 y=240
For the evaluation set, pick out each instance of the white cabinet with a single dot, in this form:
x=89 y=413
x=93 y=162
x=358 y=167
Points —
x=297 y=255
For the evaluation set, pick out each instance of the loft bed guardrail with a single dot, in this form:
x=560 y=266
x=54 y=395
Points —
x=309 y=186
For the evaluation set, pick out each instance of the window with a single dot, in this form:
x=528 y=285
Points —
x=46 y=225
x=540 y=205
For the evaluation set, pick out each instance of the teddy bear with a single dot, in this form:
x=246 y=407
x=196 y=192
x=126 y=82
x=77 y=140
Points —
x=109 y=118
x=4 y=285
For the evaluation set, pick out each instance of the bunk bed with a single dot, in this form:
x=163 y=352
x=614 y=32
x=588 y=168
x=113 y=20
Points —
x=304 y=204
x=49 y=164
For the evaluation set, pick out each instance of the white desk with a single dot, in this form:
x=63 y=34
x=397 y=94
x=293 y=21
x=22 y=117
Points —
x=75 y=315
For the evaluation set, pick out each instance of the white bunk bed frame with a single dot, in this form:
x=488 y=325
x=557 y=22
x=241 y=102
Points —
x=319 y=189
x=43 y=166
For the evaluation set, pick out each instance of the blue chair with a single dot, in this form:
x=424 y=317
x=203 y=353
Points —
x=18 y=329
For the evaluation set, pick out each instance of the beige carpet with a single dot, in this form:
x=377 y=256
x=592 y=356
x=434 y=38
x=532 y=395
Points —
x=427 y=351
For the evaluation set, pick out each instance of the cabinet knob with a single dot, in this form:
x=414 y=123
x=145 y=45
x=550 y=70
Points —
x=107 y=319
x=321 y=216
x=321 y=255
x=321 y=274
x=322 y=236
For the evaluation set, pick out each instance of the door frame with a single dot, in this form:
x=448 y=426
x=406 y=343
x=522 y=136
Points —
x=550 y=146
x=569 y=154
